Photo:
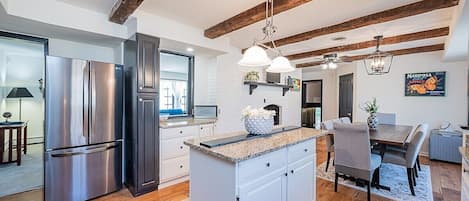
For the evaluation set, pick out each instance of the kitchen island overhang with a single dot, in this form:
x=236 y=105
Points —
x=277 y=167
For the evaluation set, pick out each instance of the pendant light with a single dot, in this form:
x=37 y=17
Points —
x=256 y=56
x=378 y=63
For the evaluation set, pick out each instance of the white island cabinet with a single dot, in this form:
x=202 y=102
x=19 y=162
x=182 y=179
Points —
x=263 y=169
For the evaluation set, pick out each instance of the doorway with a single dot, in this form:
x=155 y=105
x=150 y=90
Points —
x=311 y=112
x=22 y=67
x=346 y=96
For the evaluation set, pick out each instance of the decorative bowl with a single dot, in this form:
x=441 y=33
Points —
x=259 y=126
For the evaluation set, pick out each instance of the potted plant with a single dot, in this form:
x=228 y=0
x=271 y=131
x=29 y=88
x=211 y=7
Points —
x=371 y=108
x=258 y=121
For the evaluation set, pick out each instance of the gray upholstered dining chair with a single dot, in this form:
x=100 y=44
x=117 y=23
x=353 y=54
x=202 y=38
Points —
x=408 y=158
x=345 y=120
x=353 y=157
x=386 y=118
x=328 y=125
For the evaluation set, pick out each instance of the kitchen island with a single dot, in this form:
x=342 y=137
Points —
x=278 y=167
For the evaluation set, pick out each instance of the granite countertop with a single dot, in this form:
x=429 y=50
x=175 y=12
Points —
x=181 y=122
x=465 y=153
x=244 y=150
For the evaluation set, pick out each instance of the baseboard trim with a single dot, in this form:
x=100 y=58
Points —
x=172 y=182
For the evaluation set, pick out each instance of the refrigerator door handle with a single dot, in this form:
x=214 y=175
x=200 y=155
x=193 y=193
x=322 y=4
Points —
x=90 y=151
x=86 y=99
x=92 y=100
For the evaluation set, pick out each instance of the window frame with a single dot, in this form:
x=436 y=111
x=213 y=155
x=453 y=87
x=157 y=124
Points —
x=190 y=82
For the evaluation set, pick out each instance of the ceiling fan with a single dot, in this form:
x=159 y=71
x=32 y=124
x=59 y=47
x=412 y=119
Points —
x=330 y=61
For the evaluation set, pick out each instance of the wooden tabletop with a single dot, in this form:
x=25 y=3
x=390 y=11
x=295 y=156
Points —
x=391 y=134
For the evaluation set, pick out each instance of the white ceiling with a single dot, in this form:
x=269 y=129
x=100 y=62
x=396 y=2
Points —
x=315 y=14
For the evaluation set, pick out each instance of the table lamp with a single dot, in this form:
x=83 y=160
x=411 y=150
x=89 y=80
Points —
x=19 y=92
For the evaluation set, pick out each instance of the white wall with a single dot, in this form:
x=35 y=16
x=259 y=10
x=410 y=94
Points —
x=233 y=95
x=205 y=80
x=389 y=91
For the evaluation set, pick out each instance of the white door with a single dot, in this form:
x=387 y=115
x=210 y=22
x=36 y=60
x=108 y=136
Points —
x=272 y=187
x=301 y=181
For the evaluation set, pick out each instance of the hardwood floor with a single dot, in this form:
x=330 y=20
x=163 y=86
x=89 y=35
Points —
x=446 y=184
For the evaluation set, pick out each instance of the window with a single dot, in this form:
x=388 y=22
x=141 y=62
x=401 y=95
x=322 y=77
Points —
x=176 y=81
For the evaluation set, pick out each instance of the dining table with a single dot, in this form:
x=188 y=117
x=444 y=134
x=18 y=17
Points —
x=387 y=134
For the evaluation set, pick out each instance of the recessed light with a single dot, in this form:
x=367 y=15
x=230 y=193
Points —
x=190 y=49
x=340 y=38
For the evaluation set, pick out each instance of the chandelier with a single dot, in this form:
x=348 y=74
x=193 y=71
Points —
x=378 y=63
x=256 y=56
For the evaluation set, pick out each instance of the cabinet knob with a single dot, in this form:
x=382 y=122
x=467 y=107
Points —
x=140 y=87
x=268 y=164
x=180 y=132
x=201 y=128
x=286 y=174
x=181 y=147
x=181 y=166
x=292 y=171
x=306 y=150
x=140 y=99
x=465 y=171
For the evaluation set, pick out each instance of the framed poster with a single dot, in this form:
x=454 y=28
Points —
x=296 y=84
x=425 y=84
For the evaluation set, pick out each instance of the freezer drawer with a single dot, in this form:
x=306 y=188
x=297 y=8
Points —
x=83 y=173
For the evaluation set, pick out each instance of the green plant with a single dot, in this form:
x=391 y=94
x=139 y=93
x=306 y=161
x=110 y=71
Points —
x=371 y=107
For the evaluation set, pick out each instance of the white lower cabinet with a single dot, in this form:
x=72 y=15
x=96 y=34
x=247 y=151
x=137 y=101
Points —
x=270 y=187
x=174 y=154
x=299 y=185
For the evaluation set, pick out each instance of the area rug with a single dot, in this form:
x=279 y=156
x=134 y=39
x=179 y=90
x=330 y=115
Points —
x=393 y=176
x=28 y=176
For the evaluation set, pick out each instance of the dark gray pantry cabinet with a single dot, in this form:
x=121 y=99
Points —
x=142 y=72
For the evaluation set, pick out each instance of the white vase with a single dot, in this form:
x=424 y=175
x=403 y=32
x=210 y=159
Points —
x=373 y=121
x=258 y=126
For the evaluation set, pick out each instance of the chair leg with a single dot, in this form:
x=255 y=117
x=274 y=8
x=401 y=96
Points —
x=336 y=181
x=410 y=179
x=416 y=171
x=328 y=159
x=418 y=164
x=369 y=191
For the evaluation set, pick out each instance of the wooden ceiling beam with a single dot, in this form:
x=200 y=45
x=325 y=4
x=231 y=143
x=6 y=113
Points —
x=376 y=18
x=122 y=9
x=414 y=50
x=249 y=17
x=372 y=43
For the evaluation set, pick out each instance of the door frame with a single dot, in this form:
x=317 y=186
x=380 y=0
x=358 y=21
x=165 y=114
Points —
x=353 y=94
x=45 y=43
x=303 y=95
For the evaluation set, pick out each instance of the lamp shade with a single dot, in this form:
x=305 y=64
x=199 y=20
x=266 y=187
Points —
x=255 y=56
x=280 y=65
x=19 y=92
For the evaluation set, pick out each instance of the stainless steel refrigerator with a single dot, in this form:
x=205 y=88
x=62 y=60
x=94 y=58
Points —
x=83 y=132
